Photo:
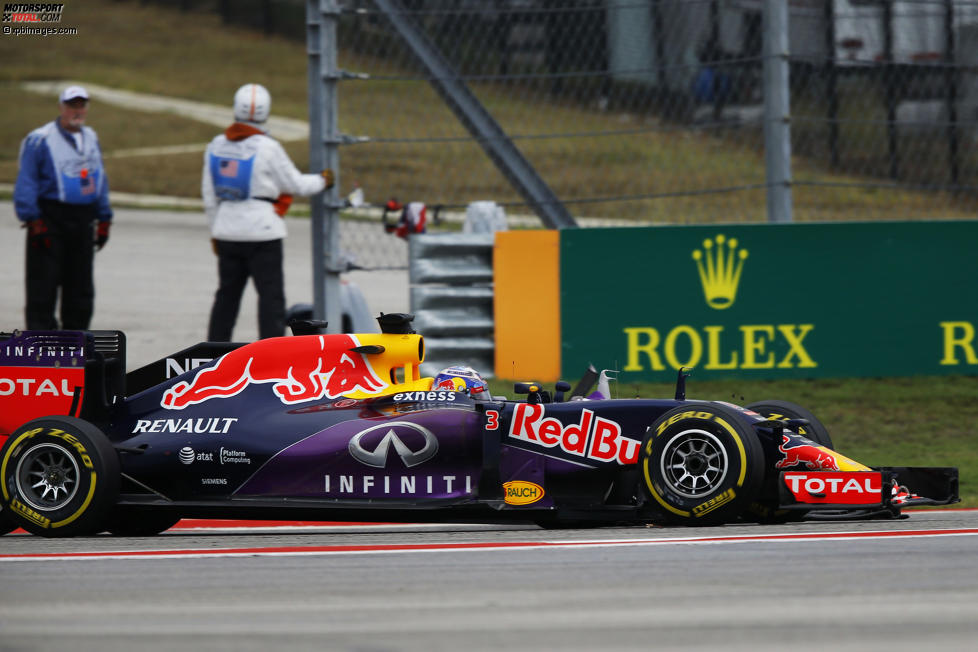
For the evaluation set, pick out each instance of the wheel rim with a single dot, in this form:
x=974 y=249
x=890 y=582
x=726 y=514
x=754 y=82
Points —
x=47 y=477
x=694 y=463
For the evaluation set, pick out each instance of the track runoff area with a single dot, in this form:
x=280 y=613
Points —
x=165 y=550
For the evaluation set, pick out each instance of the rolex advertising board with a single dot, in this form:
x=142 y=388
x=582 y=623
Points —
x=771 y=300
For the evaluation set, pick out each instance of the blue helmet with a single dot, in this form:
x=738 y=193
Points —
x=460 y=378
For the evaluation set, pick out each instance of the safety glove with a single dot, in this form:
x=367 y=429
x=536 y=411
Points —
x=329 y=176
x=37 y=234
x=281 y=204
x=102 y=234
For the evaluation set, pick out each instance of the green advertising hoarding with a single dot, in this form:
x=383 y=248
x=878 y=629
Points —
x=771 y=300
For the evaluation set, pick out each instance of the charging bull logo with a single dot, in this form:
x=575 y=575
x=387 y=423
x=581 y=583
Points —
x=300 y=368
x=798 y=450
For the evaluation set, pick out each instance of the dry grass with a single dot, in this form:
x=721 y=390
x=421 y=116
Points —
x=192 y=55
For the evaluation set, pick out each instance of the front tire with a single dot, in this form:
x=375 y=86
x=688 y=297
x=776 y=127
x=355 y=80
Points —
x=60 y=477
x=701 y=464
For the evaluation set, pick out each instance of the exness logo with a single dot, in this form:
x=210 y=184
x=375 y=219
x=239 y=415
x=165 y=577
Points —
x=719 y=264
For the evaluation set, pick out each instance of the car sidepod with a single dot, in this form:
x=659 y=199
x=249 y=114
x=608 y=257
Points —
x=423 y=456
x=576 y=460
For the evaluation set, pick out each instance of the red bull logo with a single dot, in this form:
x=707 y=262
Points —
x=593 y=437
x=454 y=384
x=801 y=451
x=299 y=368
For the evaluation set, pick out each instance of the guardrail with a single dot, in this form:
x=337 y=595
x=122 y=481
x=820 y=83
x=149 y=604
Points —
x=452 y=299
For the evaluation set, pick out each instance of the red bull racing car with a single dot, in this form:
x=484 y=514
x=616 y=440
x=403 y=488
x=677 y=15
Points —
x=343 y=427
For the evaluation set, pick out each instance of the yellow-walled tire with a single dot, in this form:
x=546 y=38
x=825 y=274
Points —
x=701 y=464
x=59 y=477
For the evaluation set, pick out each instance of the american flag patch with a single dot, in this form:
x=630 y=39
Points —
x=228 y=168
x=87 y=187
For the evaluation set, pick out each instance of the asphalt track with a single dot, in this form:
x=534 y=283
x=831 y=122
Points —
x=879 y=585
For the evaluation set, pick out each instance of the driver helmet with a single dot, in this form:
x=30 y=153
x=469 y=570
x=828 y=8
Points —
x=252 y=104
x=460 y=378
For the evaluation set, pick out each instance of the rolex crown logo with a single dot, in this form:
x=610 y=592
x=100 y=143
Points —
x=720 y=264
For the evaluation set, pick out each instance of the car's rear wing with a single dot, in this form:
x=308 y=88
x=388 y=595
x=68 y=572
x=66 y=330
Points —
x=45 y=373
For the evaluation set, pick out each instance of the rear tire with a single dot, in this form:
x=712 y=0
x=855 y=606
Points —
x=60 y=477
x=784 y=410
x=701 y=464
x=6 y=525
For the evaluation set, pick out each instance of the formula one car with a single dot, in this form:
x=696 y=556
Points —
x=342 y=427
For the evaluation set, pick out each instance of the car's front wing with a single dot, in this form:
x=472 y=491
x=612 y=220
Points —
x=884 y=488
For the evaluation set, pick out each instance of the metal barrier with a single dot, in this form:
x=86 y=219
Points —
x=452 y=297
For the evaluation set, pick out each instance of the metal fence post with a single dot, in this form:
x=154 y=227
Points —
x=321 y=19
x=831 y=87
x=777 y=111
x=951 y=94
x=890 y=91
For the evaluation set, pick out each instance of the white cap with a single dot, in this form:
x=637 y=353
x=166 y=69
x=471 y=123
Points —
x=74 y=92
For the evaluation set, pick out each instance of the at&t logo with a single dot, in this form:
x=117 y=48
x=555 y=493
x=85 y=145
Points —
x=188 y=455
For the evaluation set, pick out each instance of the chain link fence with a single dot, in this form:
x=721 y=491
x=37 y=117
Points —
x=651 y=111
